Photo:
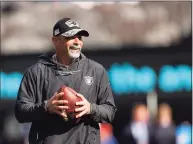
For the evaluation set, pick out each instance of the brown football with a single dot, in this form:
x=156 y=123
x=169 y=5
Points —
x=72 y=98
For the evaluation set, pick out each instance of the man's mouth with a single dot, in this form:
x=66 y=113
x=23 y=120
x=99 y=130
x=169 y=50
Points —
x=74 y=49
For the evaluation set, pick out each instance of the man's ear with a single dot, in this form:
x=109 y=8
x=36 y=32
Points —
x=54 y=39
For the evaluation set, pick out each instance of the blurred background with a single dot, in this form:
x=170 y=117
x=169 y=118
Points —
x=146 y=48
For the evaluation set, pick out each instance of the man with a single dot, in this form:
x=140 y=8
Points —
x=139 y=130
x=165 y=128
x=38 y=101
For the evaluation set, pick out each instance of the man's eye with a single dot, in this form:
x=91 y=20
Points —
x=79 y=37
x=70 y=38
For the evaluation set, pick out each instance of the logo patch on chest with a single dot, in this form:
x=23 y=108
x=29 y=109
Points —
x=88 y=80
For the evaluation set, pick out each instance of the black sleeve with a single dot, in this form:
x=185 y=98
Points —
x=105 y=109
x=25 y=108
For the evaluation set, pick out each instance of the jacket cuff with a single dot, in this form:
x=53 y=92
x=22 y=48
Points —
x=92 y=109
x=45 y=105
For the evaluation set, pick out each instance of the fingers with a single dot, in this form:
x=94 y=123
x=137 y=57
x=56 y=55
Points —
x=81 y=96
x=81 y=114
x=57 y=95
x=80 y=103
x=61 y=107
x=80 y=109
x=60 y=102
x=63 y=114
x=53 y=96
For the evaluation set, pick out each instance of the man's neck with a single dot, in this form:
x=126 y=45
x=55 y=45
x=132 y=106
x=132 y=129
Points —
x=62 y=59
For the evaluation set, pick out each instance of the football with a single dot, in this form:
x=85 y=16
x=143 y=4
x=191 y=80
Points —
x=70 y=96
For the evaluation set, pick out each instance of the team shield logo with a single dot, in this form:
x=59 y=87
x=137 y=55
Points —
x=88 y=80
x=72 y=23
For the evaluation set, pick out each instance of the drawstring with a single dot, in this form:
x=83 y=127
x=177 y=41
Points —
x=65 y=73
x=62 y=73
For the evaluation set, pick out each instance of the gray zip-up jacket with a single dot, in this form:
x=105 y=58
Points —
x=43 y=79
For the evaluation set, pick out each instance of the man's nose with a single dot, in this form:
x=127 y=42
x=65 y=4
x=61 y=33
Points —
x=76 y=41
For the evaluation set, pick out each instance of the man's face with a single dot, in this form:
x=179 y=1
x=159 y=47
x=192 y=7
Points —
x=141 y=114
x=71 y=46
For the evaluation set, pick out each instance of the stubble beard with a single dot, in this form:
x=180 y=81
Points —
x=74 y=53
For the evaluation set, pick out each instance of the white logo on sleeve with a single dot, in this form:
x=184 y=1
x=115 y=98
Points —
x=88 y=80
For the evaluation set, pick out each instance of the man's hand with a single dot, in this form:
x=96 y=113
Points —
x=84 y=106
x=57 y=106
